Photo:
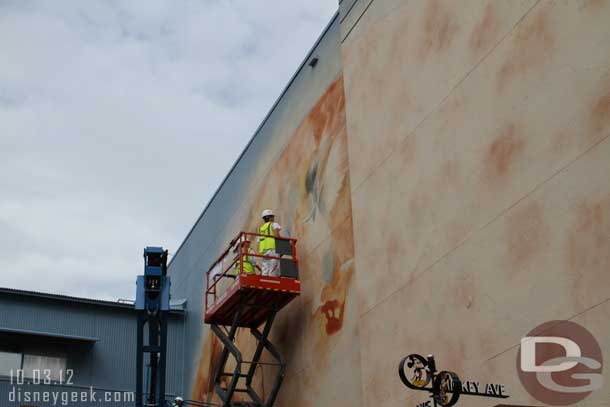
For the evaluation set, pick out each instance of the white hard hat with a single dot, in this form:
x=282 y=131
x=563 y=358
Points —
x=267 y=212
x=178 y=399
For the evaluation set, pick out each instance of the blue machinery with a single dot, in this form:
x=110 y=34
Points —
x=152 y=305
x=251 y=301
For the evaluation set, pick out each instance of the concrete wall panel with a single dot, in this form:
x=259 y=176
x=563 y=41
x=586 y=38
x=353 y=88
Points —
x=534 y=263
x=400 y=66
x=483 y=149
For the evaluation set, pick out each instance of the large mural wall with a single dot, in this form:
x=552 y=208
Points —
x=479 y=161
x=450 y=193
x=309 y=188
x=232 y=207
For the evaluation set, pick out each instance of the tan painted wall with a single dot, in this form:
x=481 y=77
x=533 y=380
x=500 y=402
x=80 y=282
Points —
x=479 y=165
x=449 y=191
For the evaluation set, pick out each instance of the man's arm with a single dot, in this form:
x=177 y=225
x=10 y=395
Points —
x=277 y=229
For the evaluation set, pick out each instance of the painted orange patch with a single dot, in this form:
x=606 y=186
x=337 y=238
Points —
x=203 y=386
x=532 y=48
x=600 y=114
x=484 y=32
x=502 y=152
x=450 y=172
x=333 y=295
x=407 y=150
x=333 y=311
x=527 y=233
x=589 y=244
x=378 y=389
x=324 y=112
x=588 y=248
x=418 y=204
x=592 y=5
x=560 y=141
x=439 y=28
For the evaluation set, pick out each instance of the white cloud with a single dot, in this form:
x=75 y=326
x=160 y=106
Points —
x=118 y=120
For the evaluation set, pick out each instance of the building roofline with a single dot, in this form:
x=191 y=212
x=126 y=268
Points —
x=66 y=337
x=258 y=129
x=68 y=298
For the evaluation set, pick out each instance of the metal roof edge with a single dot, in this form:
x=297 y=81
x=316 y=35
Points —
x=48 y=334
x=82 y=300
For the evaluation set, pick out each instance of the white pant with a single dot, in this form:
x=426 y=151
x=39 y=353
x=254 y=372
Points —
x=270 y=266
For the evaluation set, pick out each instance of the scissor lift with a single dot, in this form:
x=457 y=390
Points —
x=234 y=299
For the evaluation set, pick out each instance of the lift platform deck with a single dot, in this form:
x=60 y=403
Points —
x=259 y=292
x=228 y=285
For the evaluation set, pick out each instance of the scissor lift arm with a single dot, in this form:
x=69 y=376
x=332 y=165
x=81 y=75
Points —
x=250 y=301
x=228 y=340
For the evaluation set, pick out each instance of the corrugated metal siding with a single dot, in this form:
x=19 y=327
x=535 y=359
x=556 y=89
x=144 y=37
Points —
x=110 y=362
x=117 y=334
x=25 y=313
x=175 y=357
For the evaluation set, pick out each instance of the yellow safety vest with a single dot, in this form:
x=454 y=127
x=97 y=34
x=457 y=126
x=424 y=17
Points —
x=247 y=262
x=266 y=243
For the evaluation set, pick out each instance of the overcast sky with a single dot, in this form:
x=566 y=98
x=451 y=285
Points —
x=118 y=120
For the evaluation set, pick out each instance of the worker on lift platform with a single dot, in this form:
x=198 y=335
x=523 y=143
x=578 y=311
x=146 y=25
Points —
x=178 y=401
x=266 y=243
x=246 y=258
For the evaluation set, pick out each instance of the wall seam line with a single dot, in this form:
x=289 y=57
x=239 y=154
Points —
x=569 y=319
x=484 y=226
x=436 y=108
x=342 y=19
x=357 y=20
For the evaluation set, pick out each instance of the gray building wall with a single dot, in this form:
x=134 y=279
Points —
x=108 y=363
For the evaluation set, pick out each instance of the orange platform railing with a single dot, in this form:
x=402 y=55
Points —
x=222 y=274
